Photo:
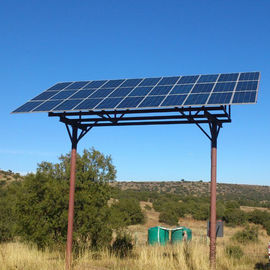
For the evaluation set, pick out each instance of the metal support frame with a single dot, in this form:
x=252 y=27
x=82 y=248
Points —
x=85 y=121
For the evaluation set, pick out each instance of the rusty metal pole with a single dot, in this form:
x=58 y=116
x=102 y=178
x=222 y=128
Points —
x=213 y=214
x=71 y=197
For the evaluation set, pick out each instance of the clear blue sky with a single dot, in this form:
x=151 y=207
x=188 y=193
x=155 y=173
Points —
x=44 y=42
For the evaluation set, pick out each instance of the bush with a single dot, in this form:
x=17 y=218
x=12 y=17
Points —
x=42 y=203
x=247 y=235
x=235 y=217
x=122 y=246
x=126 y=212
x=234 y=252
x=169 y=218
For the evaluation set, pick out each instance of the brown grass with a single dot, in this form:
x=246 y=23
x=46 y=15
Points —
x=193 y=256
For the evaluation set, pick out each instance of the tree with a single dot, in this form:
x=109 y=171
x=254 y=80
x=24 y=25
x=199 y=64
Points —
x=43 y=202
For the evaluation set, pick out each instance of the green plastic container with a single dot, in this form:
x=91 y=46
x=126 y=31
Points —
x=178 y=235
x=158 y=235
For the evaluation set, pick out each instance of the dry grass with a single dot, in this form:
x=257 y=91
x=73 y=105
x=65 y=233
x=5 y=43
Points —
x=193 y=256
x=185 y=257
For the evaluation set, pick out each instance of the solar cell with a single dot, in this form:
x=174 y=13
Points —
x=194 y=90
x=28 y=106
x=168 y=80
x=63 y=94
x=149 y=82
x=45 y=95
x=59 y=86
x=88 y=104
x=47 y=106
x=244 y=97
x=249 y=76
x=173 y=100
x=94 y=84
x=109 y=103
x=208 y=78
x=196 y=99
x=131 y=82
x=188 y=79
x=130 y=102
x=112 y=83
x=83 y=93
x=181 y=88
x=77 y=85
x=141 y=91
x=220 y=98
x=152 y=101
x=224 y=87
x=228 y=77
x=160 y=90
x=68 y=104
x=121 y=92
x=202 y=88
x=246 y=86
x=103 y=92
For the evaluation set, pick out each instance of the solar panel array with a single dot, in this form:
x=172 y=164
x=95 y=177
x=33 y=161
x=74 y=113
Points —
x=163 y=92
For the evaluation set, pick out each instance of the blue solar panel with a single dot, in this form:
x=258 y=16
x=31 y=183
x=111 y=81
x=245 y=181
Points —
x=181 y=89
x=121 y=92
x=83 y=93
x=196 y=99
x=188 y=79
x=202 y=88
x=47 y=106
x=28 y=106
x=224 y=87
x=246 y=86
x=149 y=82
x=160 y=90
x=60 y=86
x=109 y=103
x=173 y=100
x=152 y=101
x=67 y=104
x=177 y=91
x=220 y=98
x=112 y=83
x=244 y=97
x=228 y=77
x=88 y=104
x=77 y=85
x=249 y=76
x=130 y=102
x=63 y=94
x=45 y=95
x=94 y=84
x=168 y=80
x=141 y=91
x=208 y=78
x=103 y=92
x=131 y=82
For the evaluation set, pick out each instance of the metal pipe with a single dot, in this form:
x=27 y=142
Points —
x=71 y=197
x=213 y=197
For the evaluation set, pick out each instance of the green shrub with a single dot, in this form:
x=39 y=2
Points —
x=169 y=218
x=247 y=235
x=235 y=217
x=234 y=252
x=122 y=246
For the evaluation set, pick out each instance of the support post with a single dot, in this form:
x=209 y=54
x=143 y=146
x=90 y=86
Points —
x=214 y=133
x=74 y=142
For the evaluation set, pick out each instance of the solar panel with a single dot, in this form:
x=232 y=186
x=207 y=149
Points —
x=163 y=92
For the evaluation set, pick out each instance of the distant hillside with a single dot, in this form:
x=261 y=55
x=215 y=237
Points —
x=226 y=191
x=7 y=177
